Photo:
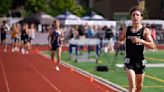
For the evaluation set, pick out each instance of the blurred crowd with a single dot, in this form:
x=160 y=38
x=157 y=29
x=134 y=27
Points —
x=23 y=34
x=20 y=35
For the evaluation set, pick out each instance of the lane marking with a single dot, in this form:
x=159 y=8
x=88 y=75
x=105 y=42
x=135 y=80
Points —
x=147 y=65
x=81 y=77
x=147 y=86
x=87 y=75
x=154 y=78
x=5 y=77
x=150 y=58
x=44 y=77
x=159 y=86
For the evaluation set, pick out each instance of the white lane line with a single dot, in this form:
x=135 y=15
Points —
x=5 y=77
x=44 y=77
x=96 y=78
x=147 y=65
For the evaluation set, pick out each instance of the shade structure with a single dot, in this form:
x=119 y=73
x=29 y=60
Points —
x=108 y=23
x=93 y=16
x=44 y=18
x=29 y=20
x=150 y=22
x=39 y=18
x=67 y=18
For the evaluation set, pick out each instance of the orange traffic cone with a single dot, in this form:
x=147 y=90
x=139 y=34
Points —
x=71 y=69
x=91 y=79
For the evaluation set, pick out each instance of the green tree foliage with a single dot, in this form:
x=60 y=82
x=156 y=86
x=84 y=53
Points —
x=35 y=6
x=58 y=6
x=52 y=7
x=146 y=15
x=5 y=6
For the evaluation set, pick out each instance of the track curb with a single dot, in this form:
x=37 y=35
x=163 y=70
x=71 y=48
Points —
x=96 y=78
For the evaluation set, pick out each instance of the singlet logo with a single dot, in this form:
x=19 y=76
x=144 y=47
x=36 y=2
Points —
x=130 y=38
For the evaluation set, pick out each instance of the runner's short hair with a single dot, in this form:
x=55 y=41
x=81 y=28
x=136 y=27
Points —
x=136 y=8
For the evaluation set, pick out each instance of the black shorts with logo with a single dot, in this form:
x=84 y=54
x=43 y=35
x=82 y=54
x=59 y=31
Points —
x=138 y=65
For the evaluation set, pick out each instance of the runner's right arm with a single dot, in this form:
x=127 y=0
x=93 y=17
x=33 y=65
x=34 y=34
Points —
x=121 y=39
x=49 y=39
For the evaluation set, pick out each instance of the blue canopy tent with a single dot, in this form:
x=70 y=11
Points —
x=92 y=18
x=67 y=18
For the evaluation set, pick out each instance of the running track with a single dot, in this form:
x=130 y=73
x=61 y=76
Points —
x=35 y=73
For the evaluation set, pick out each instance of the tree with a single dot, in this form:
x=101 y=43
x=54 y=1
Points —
x=146 y=15
x=59 y=6
x=52 y=7
x=72 y=6
x=35 y=6
x=5 y=7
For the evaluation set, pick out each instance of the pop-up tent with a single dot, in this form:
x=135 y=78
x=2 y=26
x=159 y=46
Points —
x=156 y=22
x=30 y=20
x=67 y=18
x=44 y=18
x=39 y=18
x=92 y=18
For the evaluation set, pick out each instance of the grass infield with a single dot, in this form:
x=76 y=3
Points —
x=154 y=76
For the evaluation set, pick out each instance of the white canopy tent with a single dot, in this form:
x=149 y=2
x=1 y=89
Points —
x=67 y=18
x=93 y=16
x=94 y=19
x=45 y=18
x=100 y=23
x=150 y=22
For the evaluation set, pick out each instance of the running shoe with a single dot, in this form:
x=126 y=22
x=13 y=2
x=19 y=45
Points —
x=13 y=50
x=23 y=51
x=5 y=50
x=57 y=68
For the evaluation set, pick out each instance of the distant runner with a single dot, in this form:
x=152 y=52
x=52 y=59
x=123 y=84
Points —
x=55 y=39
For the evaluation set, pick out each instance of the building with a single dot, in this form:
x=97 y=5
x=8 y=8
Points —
x=118 y=9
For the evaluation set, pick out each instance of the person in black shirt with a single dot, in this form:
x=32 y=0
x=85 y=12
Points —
x=108 y=33
x=135 y=37
x=4 y=29
x=25 y=39
x=81 y=32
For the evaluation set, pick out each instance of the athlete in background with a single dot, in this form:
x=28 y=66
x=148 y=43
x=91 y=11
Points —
x=55 y=39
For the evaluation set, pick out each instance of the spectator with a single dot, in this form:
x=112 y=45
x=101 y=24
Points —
x=109 y=37
x=90 y=32
x=81 y=32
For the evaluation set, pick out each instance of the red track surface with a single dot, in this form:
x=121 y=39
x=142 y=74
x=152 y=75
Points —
x=35 y=73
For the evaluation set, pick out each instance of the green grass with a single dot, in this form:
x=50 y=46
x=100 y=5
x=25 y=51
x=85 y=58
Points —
x=118 y=75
